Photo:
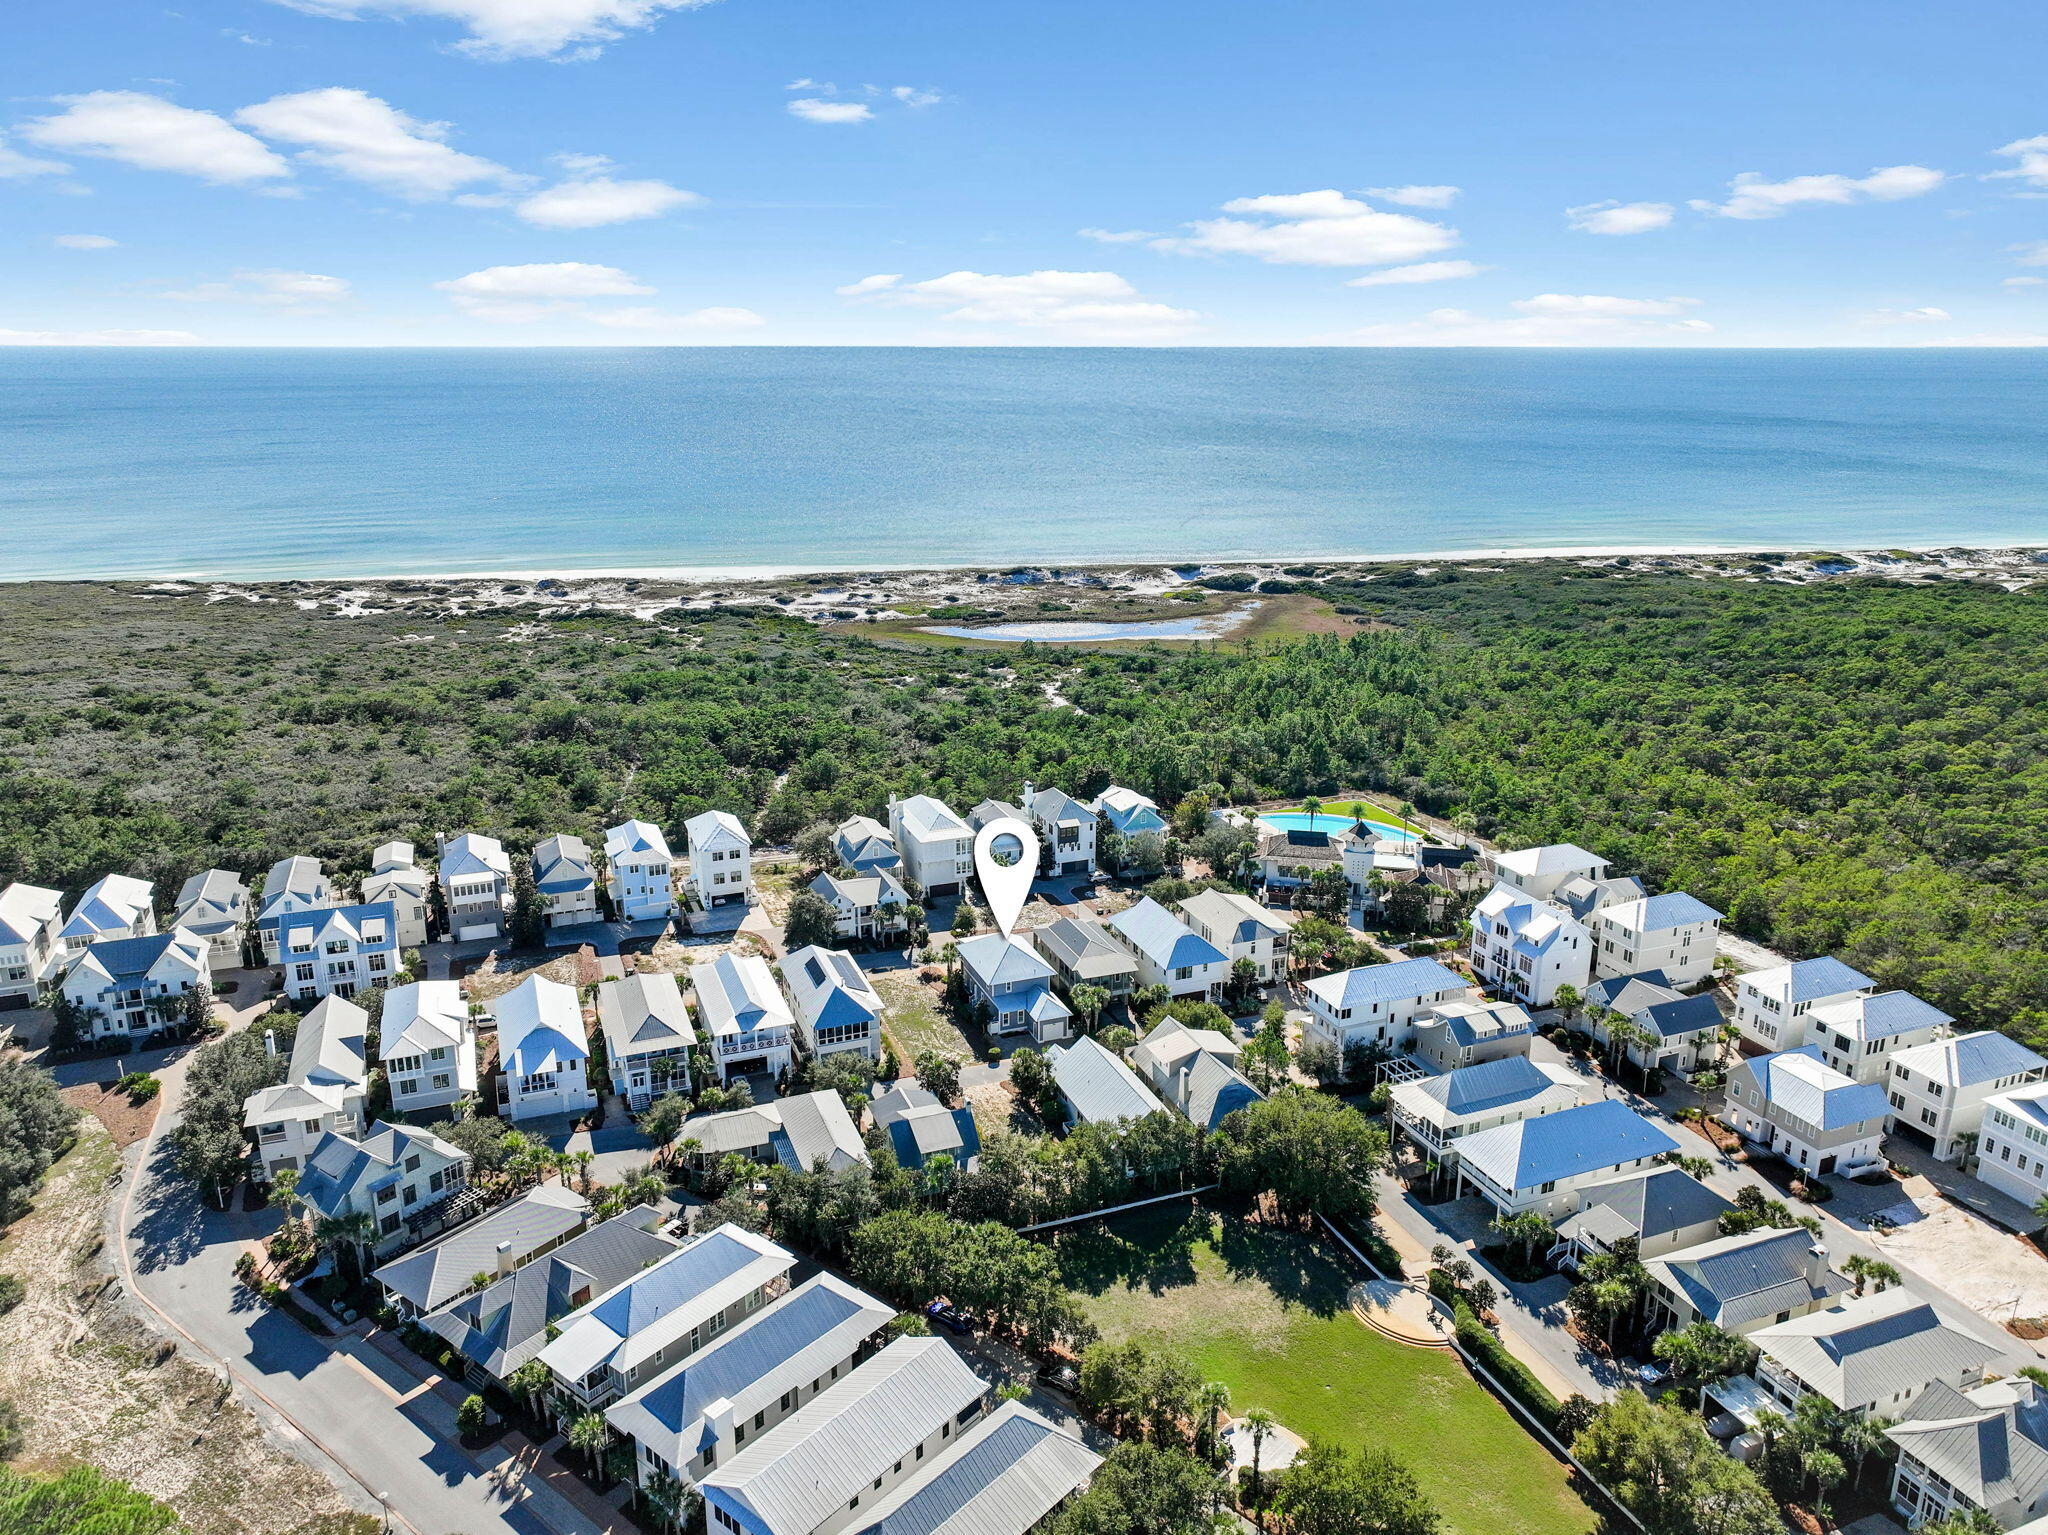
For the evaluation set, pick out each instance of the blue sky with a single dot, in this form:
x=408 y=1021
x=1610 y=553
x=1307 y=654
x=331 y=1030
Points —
x=614 y=172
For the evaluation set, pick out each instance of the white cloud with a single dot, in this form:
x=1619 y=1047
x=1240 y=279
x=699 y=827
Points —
x=807 y=84
x=591 y=200
x=1752 y=197
x=366 y=139
x=1066 y=306
x=2032 y=155
x=648 y=319
x=2025 y=282
x=915 y=96
x=1421 y=271
x=1617 y=218
x=96 y=338
x=14 y=165
x=1925 y=316
x=815 y=109
x=1323 y=228
x=516 y=29
x=1548 y=319
x=84 y=242
x=1118 y=236
x=867 y=285
x=1416 y=197
x=157 y=135
x=269 y=286
x=2033 y=253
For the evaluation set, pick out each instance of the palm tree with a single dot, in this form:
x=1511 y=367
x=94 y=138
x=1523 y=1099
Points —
x=1089 y=1001
x=590 y=1434
x=1869 y=1271
x=1523 y=1231
x=1568 y=1000
x=1212 y=1401
x=345 y=1236
x=1861 y=1438
x=1260 y=1423
x=1314 y=808
x=583 y=1159
x=528 y=1383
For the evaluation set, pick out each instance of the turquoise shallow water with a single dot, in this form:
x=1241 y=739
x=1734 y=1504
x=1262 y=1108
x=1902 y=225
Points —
x=308 y=462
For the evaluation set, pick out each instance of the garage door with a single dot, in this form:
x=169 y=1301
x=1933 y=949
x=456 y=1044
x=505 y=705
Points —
x=485 y=930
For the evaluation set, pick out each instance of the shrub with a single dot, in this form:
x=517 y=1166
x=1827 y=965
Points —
x=140 y=1086
x=472 y=1416
x=1512 y=1374
x=11 y=1292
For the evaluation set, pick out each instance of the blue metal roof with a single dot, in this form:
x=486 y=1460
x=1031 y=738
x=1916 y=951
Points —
x=1166 y=940
x=1553 y=1147
x=1400 y=981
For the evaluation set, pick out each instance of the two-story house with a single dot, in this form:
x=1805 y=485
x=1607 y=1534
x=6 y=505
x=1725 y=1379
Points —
x=1169 y=952
x=648 y=1036
x=337 y=950
x=113 y=906
x=844 y=1451
x=30 y=919
x=1470 y=1033
x=1678 y=1032
x=215 y=905
x=1066 y=832
x=743 y=1015
x=543 y=1051
x=1008 y=977
x=866 y=908
x=1378 y=1004
x=803 y=1132
x=2012 y=1143
x=1528 y=947
x=838 y=1009
x=1674 y=932
x=866 y=846
x=477 y=1254
x=398 y=882
x=1795 y=1106
x=1859 y=1035
x=1938 y=1090
x=129 y=986
x=1126 y=815
x=721 y=860
x=566 y=881
x=292 y=886
x=1242 y=929
x=1083 y=954
x=1438 y=1112
x=476 y=884
x=401 y=1176
x=1772 y=1007
x=1872 y=1355
x=1658 y=1211
x=1984 y=1450
x=639 y=872
x=1097 y=1087
x=323 y=1090
x=1195 y=1070
x=427 y=1043
x=688 y=1422
x=936 y=846
x=1543 y=1163
x=1541 y=873
x=632 y=1334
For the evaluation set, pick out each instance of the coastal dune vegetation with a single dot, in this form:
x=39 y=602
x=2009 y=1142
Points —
x=1852 y=767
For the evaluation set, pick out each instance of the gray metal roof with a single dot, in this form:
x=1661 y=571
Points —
x=1085 y=948
x=1404 y=980
x=925 y=1132
x=1655 y=1204
x=1810 y=1090
x=1991 y=1443
x=328 y=1048
x=434 y=1274
x=642 y=1014
x=1004 y=1475
x=1491 y=1085
x=561 y=863
x=1884 y=1016
x=1735 y=1280
x=1163 y=938
x=503 y=1325
x=805 y=1469
x=1867 y=1350
x=1969 y=1060
x=1097 y=1086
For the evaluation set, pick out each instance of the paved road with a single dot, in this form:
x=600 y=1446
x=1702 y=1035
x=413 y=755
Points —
x=371 y=1425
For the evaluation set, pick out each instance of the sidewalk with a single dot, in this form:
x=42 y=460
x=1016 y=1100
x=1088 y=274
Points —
x=523 y=1470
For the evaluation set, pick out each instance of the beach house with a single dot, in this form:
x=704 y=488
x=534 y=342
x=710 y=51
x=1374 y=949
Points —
x=1066 y=832
x=215 y=905
x=1794 y=1105
x=837 y=1007
x=427 y=1043
x=323 y=1090
x=1378 y=1004
x=1242 y=929
x=803 y=1133
x=1872 y=1355
x=30 y=919
x=1169 y=952
x=543 y=1052
x=1937 y=1091
x=1437 y=1112
x=866 y=908
x=1675 y=1031
x=336 y=950
x=866 y=846
x=1528 y=947
x=743 y=1015
x=132 y=986
x=638 y=872
x=920 y=1127
x=1662 y=1210
x=647 y=1037
x=400 y=1176
x=721 y=861
x=1542 y=872
x=1858 y=1035
x=1006 y=976
x=293 y=885
x=113 y=906
x=1674 y=933
x=1542 y=1163
x=2012 y=1143
x=400 y=883
x=1083 y=954
x=1772 y=1007
x=1468 y=1033
x=1981 y=1451
x=1744 y=1282
x=936 y=846
x=483 y=1251
x=476 y=883
x=1096 y=1087
x=1195 y=1070
x=566 y=881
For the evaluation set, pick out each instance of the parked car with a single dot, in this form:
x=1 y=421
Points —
x=953 y=1321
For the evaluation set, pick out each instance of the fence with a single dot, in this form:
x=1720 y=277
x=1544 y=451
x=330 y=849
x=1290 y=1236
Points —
x=1109 y=1210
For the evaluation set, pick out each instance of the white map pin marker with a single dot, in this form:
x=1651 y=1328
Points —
x=1006 y=862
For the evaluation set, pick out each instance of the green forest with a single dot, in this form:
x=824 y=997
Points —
x=1853 y=767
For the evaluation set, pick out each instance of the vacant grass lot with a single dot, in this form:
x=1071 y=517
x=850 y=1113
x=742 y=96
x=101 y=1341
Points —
x=1264 y=1312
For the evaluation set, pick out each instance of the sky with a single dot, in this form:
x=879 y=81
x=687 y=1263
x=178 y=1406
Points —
x=899 y=172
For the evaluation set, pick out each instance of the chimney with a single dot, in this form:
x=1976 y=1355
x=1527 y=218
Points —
x=1816 y=1265
x=1029 y=792
x=505 y=1263
x=719 y=1418
x=270 y=1041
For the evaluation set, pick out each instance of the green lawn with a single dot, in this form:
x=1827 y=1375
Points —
x=1265 y=1313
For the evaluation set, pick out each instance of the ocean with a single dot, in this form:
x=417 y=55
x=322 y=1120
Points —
x=263 y=464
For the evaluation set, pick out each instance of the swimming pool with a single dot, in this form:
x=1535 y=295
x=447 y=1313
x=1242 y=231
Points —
x=1329 y=821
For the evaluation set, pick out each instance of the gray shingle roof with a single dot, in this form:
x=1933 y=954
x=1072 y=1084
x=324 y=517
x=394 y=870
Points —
x=429 y=1276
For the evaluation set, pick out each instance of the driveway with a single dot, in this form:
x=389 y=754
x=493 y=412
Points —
x=375 y=1427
